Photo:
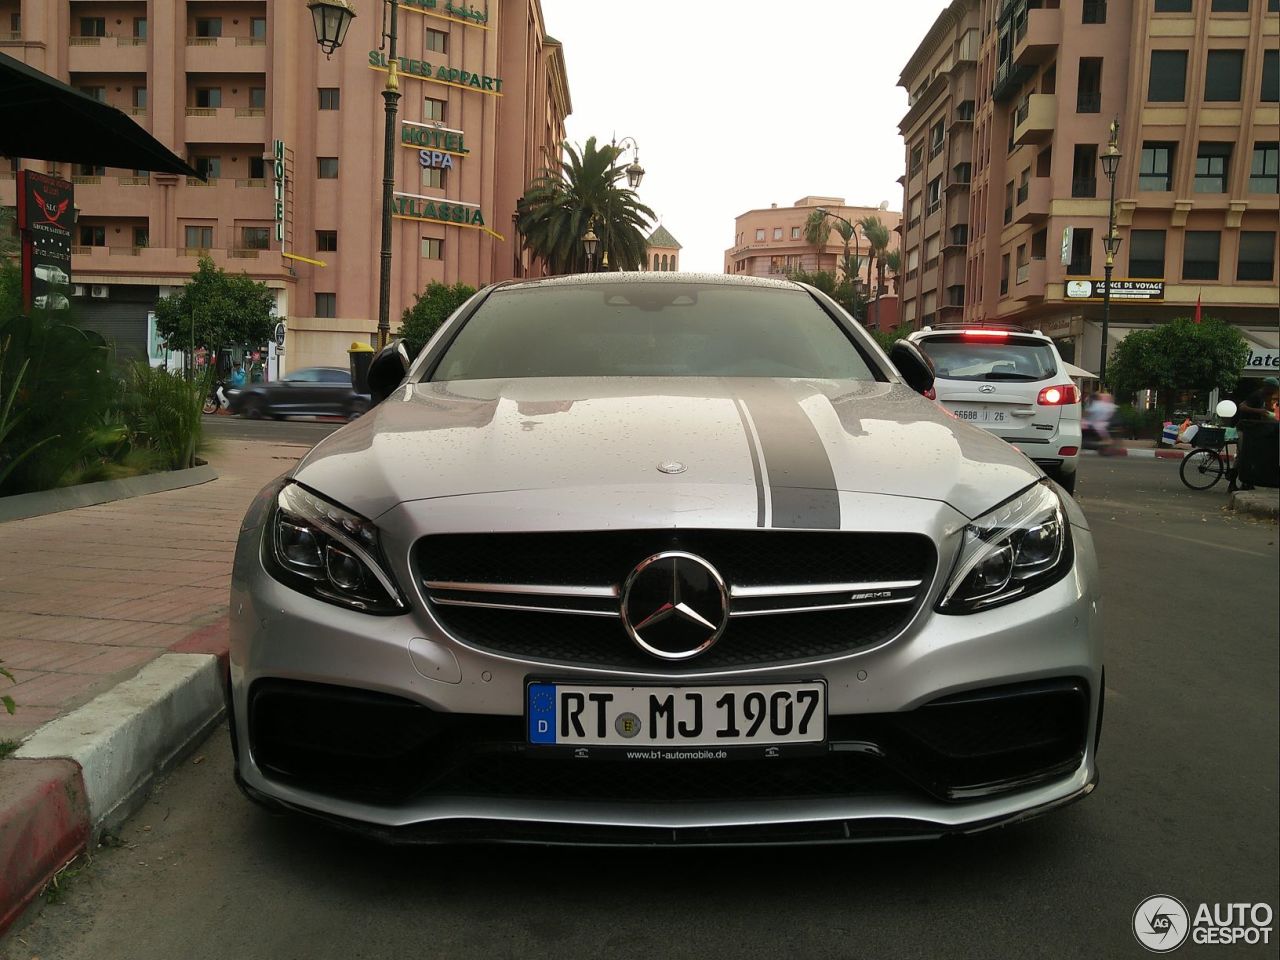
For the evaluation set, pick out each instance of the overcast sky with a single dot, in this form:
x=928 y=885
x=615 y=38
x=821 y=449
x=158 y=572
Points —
x=737 y=104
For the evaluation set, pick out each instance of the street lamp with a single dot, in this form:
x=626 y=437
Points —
x=634 y=173
x=590 y=244
x=332 y=18
x=1111 y=242
x=857 y=250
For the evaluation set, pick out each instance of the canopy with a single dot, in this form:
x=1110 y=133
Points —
x=1078 y=373
x=44 y=119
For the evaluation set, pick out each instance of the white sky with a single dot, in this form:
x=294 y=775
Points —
x=737 y=104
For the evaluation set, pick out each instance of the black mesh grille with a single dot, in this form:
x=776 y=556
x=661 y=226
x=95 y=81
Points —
x=743 y=558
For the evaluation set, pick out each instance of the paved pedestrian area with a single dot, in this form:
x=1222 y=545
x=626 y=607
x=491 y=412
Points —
x=89 y=596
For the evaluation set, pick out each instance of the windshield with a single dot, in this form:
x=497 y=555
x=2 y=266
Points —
x=651 y=329
x=990 y=358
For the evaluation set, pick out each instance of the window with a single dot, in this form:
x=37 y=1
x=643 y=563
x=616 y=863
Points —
x=432 y=249
x=433 y=109
x=1264 y=175
x=258 y=28
x=326 y=168
x=90 y=170
x=1200 y=255
x=1008 y=202
x=931 y=246
x=141 y=237
x=1173 y=6
x=913 y=261
x=209 y=97
x=1270 y=76
x=326 y=304
x=139 y=28
x=1023 y=264
x=255 y=238
x=210 y=168
x=327 y=241
x=257 y=168
x=1084 y=167
x=1168 y=81
x=1089 y=85
x=93 y=236
x=795 y=233
x=935 y=139
x=95 y=93
x=1222 y=75
x=1155 y=170
x=1094 y=11
x=917 y=159
x=913 y=211
x=199 y=238
x=437 y=41
x=139 y=98
x=208 y=26
x=1257 y=255
x=433 y=177
x=1081 y=263
x=933 y=195
x=1230 y=6
x=93 y=26
x=1146 y=254
x=760 y=233
x=1004 y=275
x=330 y=98
x=777 y=233
x=1212 y=165
x=258 y=98
x=777 y=264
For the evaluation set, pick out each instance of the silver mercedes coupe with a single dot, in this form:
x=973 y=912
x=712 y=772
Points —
x=663 y=558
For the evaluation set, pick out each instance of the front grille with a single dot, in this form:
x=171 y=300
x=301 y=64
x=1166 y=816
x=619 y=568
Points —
x=795 y=595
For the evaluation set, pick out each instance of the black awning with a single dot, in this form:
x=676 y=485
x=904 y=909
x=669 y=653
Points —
x=44 y=119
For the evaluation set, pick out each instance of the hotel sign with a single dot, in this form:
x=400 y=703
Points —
x=422 y=70
x=1132 y=290
x=279 y=172
x=411 y=206
x=427 y=137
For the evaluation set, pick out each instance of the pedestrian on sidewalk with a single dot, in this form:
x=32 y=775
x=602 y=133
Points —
x=1097 y=416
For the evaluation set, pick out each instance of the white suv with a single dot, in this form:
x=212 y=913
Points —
x=1011 y=382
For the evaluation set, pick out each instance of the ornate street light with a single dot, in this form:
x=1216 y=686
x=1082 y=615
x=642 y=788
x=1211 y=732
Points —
x=1111 y=242
x=590 y=244
x=857 y=252
x=332 y=18
x=635 y=172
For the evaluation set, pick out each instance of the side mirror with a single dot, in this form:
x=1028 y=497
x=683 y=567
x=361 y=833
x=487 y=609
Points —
x=387 y=371
x=914 y=366
x=1226 y=409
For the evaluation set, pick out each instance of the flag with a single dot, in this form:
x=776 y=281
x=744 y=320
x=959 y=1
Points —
x=1197 y=317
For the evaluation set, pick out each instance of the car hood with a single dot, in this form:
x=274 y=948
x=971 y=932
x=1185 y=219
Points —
x=796 y=444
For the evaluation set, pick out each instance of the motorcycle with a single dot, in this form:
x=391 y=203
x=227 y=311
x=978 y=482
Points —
x=219 y=398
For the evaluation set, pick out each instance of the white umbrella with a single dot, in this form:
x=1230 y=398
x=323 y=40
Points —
x=1078 y=373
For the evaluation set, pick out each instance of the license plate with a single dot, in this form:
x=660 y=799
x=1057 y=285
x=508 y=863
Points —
x=768 y=715
x=981 y=415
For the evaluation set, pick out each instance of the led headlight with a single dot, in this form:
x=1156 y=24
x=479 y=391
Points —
x=1012 y=551
x=331 y=553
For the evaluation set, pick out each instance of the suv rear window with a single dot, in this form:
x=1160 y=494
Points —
x=957 y=357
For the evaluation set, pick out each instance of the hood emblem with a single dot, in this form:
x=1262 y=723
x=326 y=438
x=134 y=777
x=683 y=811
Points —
x=672 y=466
x=675 y=605
x=987 y=388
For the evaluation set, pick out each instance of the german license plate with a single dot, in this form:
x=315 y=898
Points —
x=981 y=415
x=769 y=715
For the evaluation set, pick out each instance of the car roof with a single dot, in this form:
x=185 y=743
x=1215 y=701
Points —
x=640 y=277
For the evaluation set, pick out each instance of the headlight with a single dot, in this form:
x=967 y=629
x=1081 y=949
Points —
x=1017 y=549
x=333 y=554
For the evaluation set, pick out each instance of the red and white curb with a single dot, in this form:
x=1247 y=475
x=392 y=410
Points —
x=1144 y=453
x=87 y=771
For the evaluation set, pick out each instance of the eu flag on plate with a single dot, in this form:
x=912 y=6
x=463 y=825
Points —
x=542 y=713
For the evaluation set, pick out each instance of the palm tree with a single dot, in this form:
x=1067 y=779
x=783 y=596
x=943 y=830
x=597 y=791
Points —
x=893 y=262
x=848 y=264
x=582 y=192
x=817 y=228
x=877 y=235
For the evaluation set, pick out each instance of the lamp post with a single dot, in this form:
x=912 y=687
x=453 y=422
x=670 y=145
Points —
x=857 y=247
x=634 y=172
x=590 y=244
x=1111 y=242
x=332 y=18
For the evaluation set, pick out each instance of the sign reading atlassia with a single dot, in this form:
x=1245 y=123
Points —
x=441 y=74
x=413 y=207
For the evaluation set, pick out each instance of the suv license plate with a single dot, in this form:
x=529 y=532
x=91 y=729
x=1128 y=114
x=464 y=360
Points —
x=982 y=415
x=768 y=715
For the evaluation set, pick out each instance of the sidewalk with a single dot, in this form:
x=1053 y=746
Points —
x=1143 y=449
x=92 y=602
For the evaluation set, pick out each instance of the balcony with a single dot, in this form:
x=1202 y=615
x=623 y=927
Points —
x=226 y=55
x=170 y=262
x=1034 y=199
x=957 y=237
x=1037 y=38
x=1030 y=280
x=1036 y=117
x=225 y=125
x=107 y=55
x=112 y=197
x=961 y=177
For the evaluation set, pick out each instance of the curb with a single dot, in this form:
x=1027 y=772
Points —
x=1140 y=453
x=86 y=772
x=1254 y=504
x=22 y=506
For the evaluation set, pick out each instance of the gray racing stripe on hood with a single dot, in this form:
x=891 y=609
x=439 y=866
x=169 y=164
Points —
x=802 y=483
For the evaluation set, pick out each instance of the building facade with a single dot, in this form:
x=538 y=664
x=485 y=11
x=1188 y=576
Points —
x=1194 y=86
x=290 y=145
x=664 y=250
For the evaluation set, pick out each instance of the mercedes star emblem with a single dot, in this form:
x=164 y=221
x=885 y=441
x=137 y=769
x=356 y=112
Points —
x=675 y=605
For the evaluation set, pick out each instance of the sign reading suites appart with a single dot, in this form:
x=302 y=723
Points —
x=1120 y=289
x=422 y=70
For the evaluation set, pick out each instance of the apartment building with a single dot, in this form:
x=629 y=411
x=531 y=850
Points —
x=289 y=143
x=1194 y=86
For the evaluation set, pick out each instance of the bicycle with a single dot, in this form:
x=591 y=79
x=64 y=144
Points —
x=1211 y=458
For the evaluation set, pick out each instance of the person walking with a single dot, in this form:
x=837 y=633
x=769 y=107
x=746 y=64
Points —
x=1260 y=405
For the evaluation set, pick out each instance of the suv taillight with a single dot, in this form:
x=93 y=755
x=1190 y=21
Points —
x=1058 y=396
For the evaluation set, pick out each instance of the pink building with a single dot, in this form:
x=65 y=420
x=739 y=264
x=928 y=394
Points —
x=233 y=84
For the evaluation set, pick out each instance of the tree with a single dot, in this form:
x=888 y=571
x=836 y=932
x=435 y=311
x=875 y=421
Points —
x=1177 y=356
x=893 y=263
x=878 y=237
x=849 y=263
x=843 y=292
x=216 y=308
x=430 y=309
x=579 y=193
x=817 y=229
x=887 y=338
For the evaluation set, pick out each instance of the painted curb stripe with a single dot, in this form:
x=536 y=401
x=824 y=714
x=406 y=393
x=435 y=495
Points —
x=802 y=482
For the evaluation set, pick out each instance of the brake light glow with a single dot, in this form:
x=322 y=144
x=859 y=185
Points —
x=1058 y=396
x=995 y=334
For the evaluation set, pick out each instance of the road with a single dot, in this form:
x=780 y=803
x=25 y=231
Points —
x=1187 y=806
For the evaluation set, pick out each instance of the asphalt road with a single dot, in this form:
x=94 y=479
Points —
x=1187 y=806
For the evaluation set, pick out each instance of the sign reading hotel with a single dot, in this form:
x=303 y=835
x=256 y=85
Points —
x=426 y=136
x=277 y=168
x=422 y=70
x=1120 y=289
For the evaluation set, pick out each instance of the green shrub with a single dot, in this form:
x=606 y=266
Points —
x=163 y=413
x=1134 y=424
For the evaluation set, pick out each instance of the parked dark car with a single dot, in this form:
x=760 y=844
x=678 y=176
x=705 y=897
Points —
x=309 y=392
